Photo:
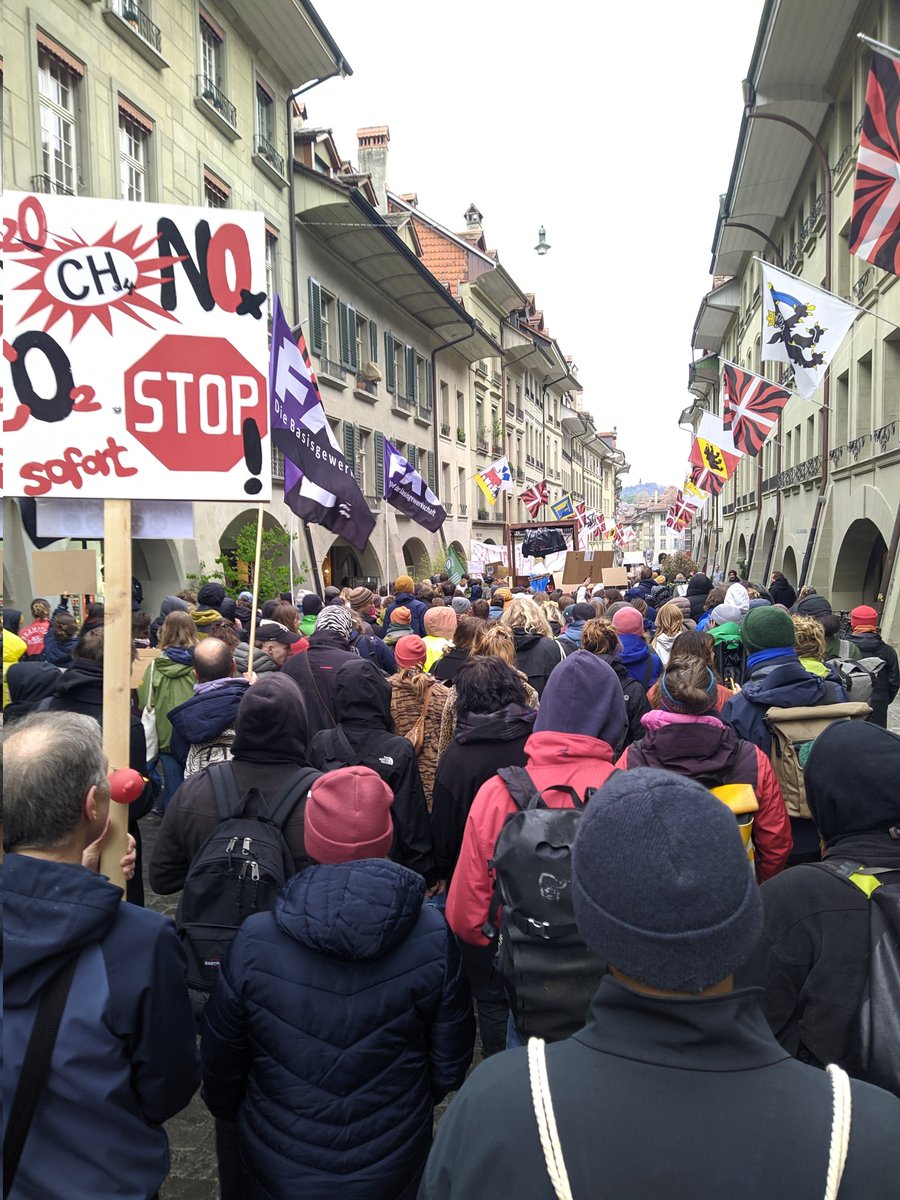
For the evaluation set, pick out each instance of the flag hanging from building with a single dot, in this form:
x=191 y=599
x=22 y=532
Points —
x=706 y=480
x=494 y=479
x=875 y=223
x=455 y=565
x=714 y=448
x=581 y=514
x=405 y=488
x=563 y=508
x=534 y=498
x=802 y=325
x=752 y=407
x=319 y=484
x=592 y=521
x=691 y=489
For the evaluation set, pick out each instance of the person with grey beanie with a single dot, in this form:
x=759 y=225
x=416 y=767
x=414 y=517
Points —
x=649 y=1098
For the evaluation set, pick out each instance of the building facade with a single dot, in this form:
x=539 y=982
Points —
x=821 y=503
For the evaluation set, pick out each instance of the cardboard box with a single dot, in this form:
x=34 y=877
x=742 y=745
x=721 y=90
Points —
x=139 y=667
x=616 y=577
x=59 y=571
x=586 y=564
x=500 y=571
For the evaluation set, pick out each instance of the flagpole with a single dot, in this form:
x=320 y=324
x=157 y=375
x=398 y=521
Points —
x=879 y=45
x=842 y=299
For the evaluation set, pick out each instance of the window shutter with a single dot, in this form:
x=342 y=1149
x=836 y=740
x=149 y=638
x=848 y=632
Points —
x=379 y=463
x=390 y=367
x=429 y=385
x=410 y=373
x=431 y=481
x=349 y=443
x=315 y=316
x=373 y=340
x=344 y=330
x=353 y=356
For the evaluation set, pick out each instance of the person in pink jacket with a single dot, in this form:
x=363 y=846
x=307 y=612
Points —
x=686 y=736
x=580 y=721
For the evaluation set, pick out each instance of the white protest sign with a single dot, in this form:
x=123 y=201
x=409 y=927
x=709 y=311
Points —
x=84 y=518
x=135 y=352
x=485 y=552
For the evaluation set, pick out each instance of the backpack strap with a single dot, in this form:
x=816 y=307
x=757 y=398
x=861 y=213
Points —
x=338 y=748
x=520 y=786
x=36 y=1067
x=278 y=812
x=645 y=682
x=229 y=801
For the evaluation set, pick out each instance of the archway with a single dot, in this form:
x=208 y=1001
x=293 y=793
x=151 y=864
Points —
x=345 y=566
x=240 y=557
x=789 y=566
x=741 y=564
x=859 y=566
x=416 y=558
x=763 y=560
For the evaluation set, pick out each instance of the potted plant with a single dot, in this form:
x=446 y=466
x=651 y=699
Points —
x=461 y=435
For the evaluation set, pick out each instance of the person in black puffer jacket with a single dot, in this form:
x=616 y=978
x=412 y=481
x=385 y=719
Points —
x=698 y=588
x=865 y=636
x=341 y=1017
x=599 y=637
x=536 y=651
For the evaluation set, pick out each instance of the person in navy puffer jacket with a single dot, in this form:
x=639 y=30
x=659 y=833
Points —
x=639 y=660
x=341 y=1017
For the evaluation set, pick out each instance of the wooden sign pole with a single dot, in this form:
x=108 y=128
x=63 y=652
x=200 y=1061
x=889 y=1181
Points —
x=254 y=603
x=117 y=645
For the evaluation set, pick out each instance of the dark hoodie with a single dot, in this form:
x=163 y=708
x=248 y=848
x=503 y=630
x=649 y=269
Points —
x=169 y=605
x=205 y=716
x=269 y=751
x=362 y=706
x=887 y=681
x=537 y=655
x=698 y=589
x=315 y=674
x=338 y=1022
x=636 y=702
x=446 y=668
x=29 y=683
x=125 y=1059
x=812 y=958
x=782 y=592
x=641 y=663
x=417 y=610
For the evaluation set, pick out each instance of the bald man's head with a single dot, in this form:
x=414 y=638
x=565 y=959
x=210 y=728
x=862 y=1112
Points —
x=213 y=659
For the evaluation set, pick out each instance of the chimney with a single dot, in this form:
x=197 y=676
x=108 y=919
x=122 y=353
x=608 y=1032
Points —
x=373 y=155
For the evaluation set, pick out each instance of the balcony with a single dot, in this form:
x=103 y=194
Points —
x=481 y=440
x=269 y=161
x=214 y=104
x=481 y=369
x=133 y=25
x=496 y=379
x=332 y=373
x=366 y=390
x=482 y=514
x=423 y=414
x=529 y=459
x=46 y=185
x=864 y=283
x=402 y=406
x=510 y=409
x=520 y=475
x=496 y=449
x=374 y=503
x=448 y=507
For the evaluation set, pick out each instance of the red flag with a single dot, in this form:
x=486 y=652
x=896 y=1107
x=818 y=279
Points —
x=875 y=223
x=752 y=407
x=581 y=514
x=709 y=481
x=534 y=498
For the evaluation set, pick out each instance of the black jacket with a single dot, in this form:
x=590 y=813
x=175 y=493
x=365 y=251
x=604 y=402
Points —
x=698 y=588
x=812 y=958
x=362 y=706
x=205 y=716
x=536 y=656
x=887 y=681
x=649 y=1098
x=315 y=673
x=446 y=667
x=483 y=743
x=782 y=592
x=636 y=702
x=29 y=683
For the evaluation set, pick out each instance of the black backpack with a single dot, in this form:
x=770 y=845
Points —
x=730 y=662
x=876 y=1029
x=236 y=872
x=661 y=594
x=548 y=974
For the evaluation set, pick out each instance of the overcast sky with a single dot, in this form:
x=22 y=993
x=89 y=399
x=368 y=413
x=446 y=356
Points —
x=612 y=125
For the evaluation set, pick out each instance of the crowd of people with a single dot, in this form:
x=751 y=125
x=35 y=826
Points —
x=624 y=847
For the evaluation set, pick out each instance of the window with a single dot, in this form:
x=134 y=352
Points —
x=327 y=302
x=215 y=193
x=59 y=163
x=460 y=411
x=265 y=115
x=445 y=405
x=134 y=135
x=271 y=262
x=210 y=53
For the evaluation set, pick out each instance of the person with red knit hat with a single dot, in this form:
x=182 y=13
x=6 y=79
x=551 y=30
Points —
x=341 y=1017
x=885 y=685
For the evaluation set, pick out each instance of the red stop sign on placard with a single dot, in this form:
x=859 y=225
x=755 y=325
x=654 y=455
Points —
x=187 y=399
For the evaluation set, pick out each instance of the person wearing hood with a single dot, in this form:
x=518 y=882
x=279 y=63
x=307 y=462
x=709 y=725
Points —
x=724 y=627
x=738 y=597
x=243 y=609
x=405 y=597
x=80 y=690
x=417 y=706
x=341 y=1017
x=669 y=624
x=698 y=588
x=169 y=605
x=571 y=639
x=864 y=634
x=399 y=626
x=776 y=679
x=685 y=736
x=268 y=752
x=203 y=726
x=124 y=1058
x=572 y=745
x=714 y=597
x=315 y=671
x=537 y=653
x=168 y=682
x=813 y=957
x=467 y=632
x=639 y=660
x=493 y=641
x=364 y=736
x=211 y=595
x=781 y=591
x=29 y=683
x=440 y=626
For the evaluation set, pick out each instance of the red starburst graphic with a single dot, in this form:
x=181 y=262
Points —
x=94 y=279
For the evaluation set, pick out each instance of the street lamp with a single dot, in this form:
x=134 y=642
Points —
x=543 y=245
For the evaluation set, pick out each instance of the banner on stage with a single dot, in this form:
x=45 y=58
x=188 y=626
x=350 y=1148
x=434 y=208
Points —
x=135 y=350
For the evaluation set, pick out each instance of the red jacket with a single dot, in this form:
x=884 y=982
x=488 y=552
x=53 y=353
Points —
x=552 y=759
x=701 y=747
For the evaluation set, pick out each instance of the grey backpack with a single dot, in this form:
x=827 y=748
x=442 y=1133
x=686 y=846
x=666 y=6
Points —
x=857 y=675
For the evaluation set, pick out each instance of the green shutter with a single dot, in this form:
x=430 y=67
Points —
x=431 y=480
x=379 y=463
x=411 y=373
x=429 y=385
x=350 y=444
x=412 y=455
x=344 y=330
x=315 y=316
x=390 y=366
x=373 y=340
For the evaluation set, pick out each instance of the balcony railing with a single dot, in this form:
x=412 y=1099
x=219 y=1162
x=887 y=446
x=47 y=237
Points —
x=495 y=379
x=47 y=185
x=520 y=414
x=216 y=99
x=481 y=369
x=448 y=507
x=333 y=369
x=883 y=435
x=463 y=509
x=529 y=459
x=132 y=14
x=510 y=409
x=425 y=411
x=266 y=150
x=374 y=503
x=482 y=514
x=367 y=385
x=862 y=284
x=445 y=430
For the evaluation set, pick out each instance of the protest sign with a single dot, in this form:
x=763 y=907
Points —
x=57 y=572
x=135 y=350
x=84 y=518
